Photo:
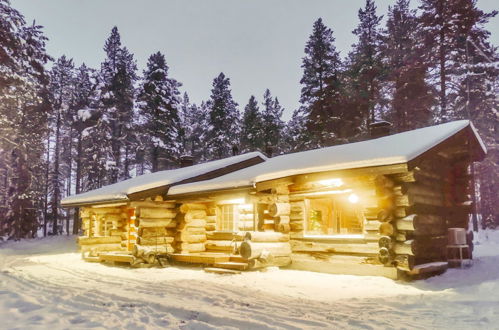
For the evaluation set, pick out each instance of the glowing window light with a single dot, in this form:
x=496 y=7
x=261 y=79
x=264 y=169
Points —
x=353 y=198
x=233 y=201
x=332 y=182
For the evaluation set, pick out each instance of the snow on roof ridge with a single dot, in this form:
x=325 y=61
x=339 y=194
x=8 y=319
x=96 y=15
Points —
x=119 y=191
x=387 y=150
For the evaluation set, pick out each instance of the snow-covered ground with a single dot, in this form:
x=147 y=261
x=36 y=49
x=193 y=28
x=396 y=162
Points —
x=45 y=285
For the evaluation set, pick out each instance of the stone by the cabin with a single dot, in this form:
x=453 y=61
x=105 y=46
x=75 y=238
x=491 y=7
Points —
x=378 y=207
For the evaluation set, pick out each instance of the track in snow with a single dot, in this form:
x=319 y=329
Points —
x=44 y=284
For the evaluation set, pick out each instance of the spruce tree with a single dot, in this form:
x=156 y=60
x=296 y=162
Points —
x=224 y=119
x=412 y=97
x=62 y=97
x=252 y=129
x=118 y=74
x=272 y=124
x=24 y=108
x=194 y=123
x=365 y=66
x=320 y=92
x=159 y=104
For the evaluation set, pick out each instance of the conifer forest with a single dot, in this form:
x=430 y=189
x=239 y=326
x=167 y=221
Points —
x=67 y=128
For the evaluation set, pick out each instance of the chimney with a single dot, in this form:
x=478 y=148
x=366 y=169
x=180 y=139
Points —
x=269 y=150
x=379 y=129
x=186 y=161
x=235 y=150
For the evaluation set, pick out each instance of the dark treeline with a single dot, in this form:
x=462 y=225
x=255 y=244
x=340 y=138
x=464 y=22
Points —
x=70 y=128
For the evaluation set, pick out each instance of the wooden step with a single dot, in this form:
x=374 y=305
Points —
x=117 y=257
x=221 y=271
x=201 y=258
x=91 y=259
x=232 y=265
x=432 y=267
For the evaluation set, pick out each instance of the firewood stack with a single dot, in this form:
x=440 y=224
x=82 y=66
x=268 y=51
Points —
x=155 y=230
x=191 y=229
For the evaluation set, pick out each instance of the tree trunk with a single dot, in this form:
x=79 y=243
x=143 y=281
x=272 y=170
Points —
x=55 y=177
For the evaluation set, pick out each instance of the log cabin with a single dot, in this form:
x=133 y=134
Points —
x=378 y=207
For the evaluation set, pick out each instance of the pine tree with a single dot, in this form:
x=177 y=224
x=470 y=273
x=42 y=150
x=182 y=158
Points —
x=62 y=95
x=252 y=129
x=320 y=92
x=224 y=119
x=272 y=124
x=159 y=105
x=295 y=134
x=23 y=122
x=412 y=97
x=365 y=66
x=118 y=73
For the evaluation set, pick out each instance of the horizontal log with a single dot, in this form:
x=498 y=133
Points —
x=146 y=222
x=296 y=217
x=339 y=248
x=148 y=232
x=260 y=236
x=210 y=227
x=101 y=247
x=270 y=262
x=155 y=213
x=225 y=236
x=188 y=238
x=191 y=247
x=194 y=215
x=296 y=226
x=211 y=218
x=410 y=200
x=193 y=224
x=184 y=208
x=252 y=250
x=228 y=246
x=145 y=250
x=98 y=240
x=422 y=225
x=103 y=210
x=372 y=225
x=155 y=240
x=427 y=247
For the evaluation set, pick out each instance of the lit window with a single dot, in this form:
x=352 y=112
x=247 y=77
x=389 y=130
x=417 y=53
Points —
x=333 y=216
x=226 y=217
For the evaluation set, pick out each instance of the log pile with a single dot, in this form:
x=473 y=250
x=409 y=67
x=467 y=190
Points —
x=155 y=230
x=191 y=228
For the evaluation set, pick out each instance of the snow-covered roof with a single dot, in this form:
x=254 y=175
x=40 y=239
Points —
x=393 y=149
x=119 y=192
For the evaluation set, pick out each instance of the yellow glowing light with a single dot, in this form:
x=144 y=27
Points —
x=233 y=201
x=332 y=182
x=353 y=198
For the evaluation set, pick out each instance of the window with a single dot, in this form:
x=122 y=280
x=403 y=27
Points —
x=333 y=216
x=226 y=217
